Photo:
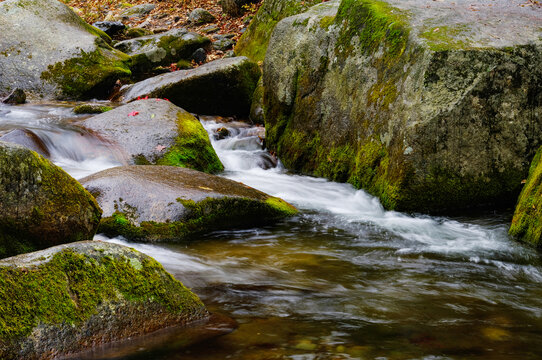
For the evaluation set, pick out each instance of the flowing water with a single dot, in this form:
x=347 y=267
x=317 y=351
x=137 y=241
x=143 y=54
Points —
x=344 y=279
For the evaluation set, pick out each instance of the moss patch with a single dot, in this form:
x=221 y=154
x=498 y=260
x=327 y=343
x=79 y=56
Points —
x=203 y=216
x=441 y=38
x=527 y=221
x=192 y=148
x=69 y=288
x=91 y=109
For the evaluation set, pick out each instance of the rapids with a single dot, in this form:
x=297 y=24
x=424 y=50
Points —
x=344 y=279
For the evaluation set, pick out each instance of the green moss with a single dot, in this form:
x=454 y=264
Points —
x=91 y=109
x=527 y=221
x=52 y=207
x=131 y=33
x=203 y=216
x=327 y=21
x=69 y=288
x=192 y=147
x=443 y=38
x=90 y=75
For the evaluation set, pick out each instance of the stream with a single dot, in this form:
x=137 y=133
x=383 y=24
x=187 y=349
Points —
x=344 y=279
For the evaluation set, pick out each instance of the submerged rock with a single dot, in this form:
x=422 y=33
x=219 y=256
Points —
x=49 y=51
x=222 y=87
x=40 y=204
x=72 y=297
x=431 y=107
x=162 y=49
x=165 y=203
x=527 y=221
x=28 y=139
x=154 y=131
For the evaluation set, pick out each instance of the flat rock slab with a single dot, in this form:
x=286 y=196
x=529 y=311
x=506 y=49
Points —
x=40 y=204
x=222 y=87
x=165 y=203
x=162 y=49
x=154 y=131
x=72 y=297
x=49 y=51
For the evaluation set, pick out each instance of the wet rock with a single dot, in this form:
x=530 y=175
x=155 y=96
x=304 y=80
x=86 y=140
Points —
x=253 y=43
x=430 y=112
x=155 y=131
x=199 y=56
x=162 y=49
x=137 y=11
x=40 y=204
x=221 y=133
x=200 y=16
x=73 y=297
x=27 y=139
x=16 y=97
x=223 y=44
x=73 y=63
x=166 y=203
x=222 y=87
x=527 y=221
x=111 y=28
x=91 y=109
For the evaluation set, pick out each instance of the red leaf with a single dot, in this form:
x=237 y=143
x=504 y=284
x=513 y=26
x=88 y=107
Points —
x=133 y=113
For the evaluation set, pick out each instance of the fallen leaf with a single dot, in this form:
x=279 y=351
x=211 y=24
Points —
x=133 y=113
x=205 y=188
x=152 y=116
x=160 y=147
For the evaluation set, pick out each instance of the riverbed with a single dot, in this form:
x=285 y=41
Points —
x=344 y=279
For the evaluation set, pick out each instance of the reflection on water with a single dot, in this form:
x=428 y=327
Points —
x=344 y=279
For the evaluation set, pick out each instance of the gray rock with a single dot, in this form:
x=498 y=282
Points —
x=430 y=106
x=40 y=204
x=69 y=298
x=136 y=32
x=166 y=203
x=27 y=139
x=155 y=131
x=200 y=16
x=16 y=97
x=222 y=87
x=48 y=51
x=162 y=49
x=256 y=109
x=111 y=28
x=210 y=29
x=137 y=11
x=223 y=44
x=199 y=56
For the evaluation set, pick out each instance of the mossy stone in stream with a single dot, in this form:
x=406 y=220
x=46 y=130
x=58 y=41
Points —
x=91 y=109
x=71 y=297
x=416 y=105
x=40 y=204
x=154 y=131
x=527 y=221
x=165 y=203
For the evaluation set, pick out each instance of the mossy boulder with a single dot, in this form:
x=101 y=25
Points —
x=72 y=297
x=253 y=43
x=163 y=49
x=425 y=106
x=527 y=221
x=222 y=87
x=40 y=204
x=49 y=51
x=154 y=131
x=166 y=203
x=91 y=109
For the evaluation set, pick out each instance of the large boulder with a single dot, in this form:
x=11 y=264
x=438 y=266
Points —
x=222 y=87
x=527 y=221
x=166 y=203
x=154 y=131
x=253 y=43
x=72 y=297
x=431 y=107
x=162 y=49
x=48 y=51
x=40 y=204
